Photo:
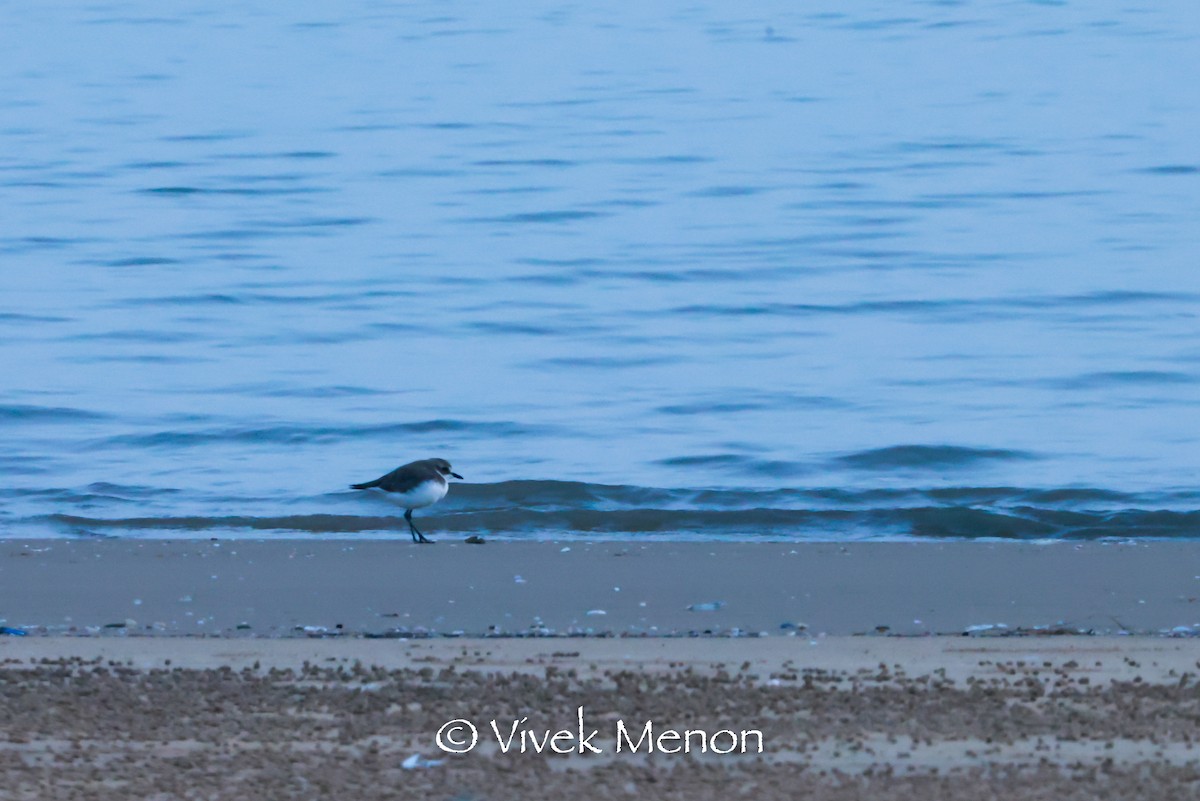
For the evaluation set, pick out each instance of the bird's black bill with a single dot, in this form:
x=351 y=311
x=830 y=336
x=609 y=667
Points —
x=456 y=475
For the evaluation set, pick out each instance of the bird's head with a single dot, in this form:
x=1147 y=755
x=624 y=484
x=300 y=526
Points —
x=443 y=467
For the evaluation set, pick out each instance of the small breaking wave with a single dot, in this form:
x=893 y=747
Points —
x=559 y=509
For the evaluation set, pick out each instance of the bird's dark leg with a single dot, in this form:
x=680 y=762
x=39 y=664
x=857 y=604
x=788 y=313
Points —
x=417 y=536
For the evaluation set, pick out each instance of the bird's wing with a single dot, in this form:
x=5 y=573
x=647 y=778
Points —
x=402 y=479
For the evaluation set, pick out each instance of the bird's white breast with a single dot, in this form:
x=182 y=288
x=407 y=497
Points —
x=424 y=494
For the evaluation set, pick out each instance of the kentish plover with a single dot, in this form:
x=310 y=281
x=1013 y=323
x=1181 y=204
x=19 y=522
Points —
x=413 y=486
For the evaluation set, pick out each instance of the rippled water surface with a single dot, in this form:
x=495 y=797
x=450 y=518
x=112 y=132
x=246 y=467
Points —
x=799 y=271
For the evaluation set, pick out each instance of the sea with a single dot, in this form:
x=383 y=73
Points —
x=788 y=271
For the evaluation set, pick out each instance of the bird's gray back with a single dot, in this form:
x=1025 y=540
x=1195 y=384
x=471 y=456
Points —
x=406 y=477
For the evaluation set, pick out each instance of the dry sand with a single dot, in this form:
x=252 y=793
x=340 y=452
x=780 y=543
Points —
x=270 y=711
x=845 y=718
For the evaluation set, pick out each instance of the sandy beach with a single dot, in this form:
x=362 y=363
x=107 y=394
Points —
x=289 y=669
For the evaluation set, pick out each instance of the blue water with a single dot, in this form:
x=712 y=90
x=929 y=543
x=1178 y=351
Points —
x=868 y=270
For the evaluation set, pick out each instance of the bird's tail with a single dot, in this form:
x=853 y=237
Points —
x=368 y=485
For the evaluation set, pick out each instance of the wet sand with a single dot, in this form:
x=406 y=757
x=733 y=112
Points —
x=268 y=698
x=277 y=588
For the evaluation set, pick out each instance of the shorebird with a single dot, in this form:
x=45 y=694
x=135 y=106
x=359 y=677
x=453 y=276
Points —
x=414 y=486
